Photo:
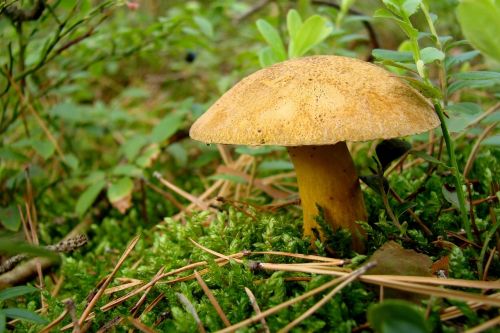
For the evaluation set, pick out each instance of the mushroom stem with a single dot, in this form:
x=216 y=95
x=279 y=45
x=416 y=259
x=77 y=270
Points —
x=327 y=177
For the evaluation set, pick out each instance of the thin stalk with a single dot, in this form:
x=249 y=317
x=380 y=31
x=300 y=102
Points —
x=450 y=147
x=439 y=110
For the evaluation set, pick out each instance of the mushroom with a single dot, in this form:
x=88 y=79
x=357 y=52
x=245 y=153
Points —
x=313 y=105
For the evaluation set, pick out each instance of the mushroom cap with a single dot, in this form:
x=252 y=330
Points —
x=318 y=100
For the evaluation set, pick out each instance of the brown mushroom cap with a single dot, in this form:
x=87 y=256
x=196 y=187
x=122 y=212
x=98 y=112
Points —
x=316 y=100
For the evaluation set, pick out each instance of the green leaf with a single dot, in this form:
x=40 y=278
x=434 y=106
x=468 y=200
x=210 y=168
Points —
x=427 y=158
x=431 y=54
x=232 y=178
x=149 y=156
x=71 y=161
x=179 y=153
x=10 y=218
x=474 y=81
x=478 y=75
x=396 y=316
x=469 y=84
x=405 y=8
x=273 y=39
x=3 y=322
x=460 y=115
x=275 y=165
x=16 y=292
x=205 y=26
x=167 y=127
x=425 y=89
x=376 y=183
x=267 y=57
x=398 y=56
x=384 y=13
x=13 y=246
x=24 y=314
x=263 y=150
x=312 y=32
x=120 y=189
x=493 y=140
x=390 y=150
x=452 y=197
x=293 y=23
x=480 y=24
x=8 y=154
x=44 y=148
x=88 y=197
x=127 y=170
x=460 y=58
x=133 y=146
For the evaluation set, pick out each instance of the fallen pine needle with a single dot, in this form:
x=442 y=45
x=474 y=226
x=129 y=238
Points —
x=190 y=308
x=122 y=299
x=283 y=305
x=256 y=308
x=99 y=293
x=484 y=326
x=140 y=326
x=181 y=192
x=212 y=299
x=56 y=321
x=349 y=278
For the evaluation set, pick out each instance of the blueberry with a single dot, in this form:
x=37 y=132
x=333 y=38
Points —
x=190 y=56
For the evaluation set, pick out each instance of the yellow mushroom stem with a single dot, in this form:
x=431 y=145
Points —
x=327 y=177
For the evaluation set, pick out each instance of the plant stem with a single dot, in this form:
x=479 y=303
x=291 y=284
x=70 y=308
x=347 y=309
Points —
x=439 y=110
x=450 y=147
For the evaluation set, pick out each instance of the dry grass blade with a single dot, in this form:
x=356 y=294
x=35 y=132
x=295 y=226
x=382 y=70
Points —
x=484 y=326
x=256 y=308
x=212 y=299
x=96 y=297
x=349 y=278
x=190 y=308
x=140 y=326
